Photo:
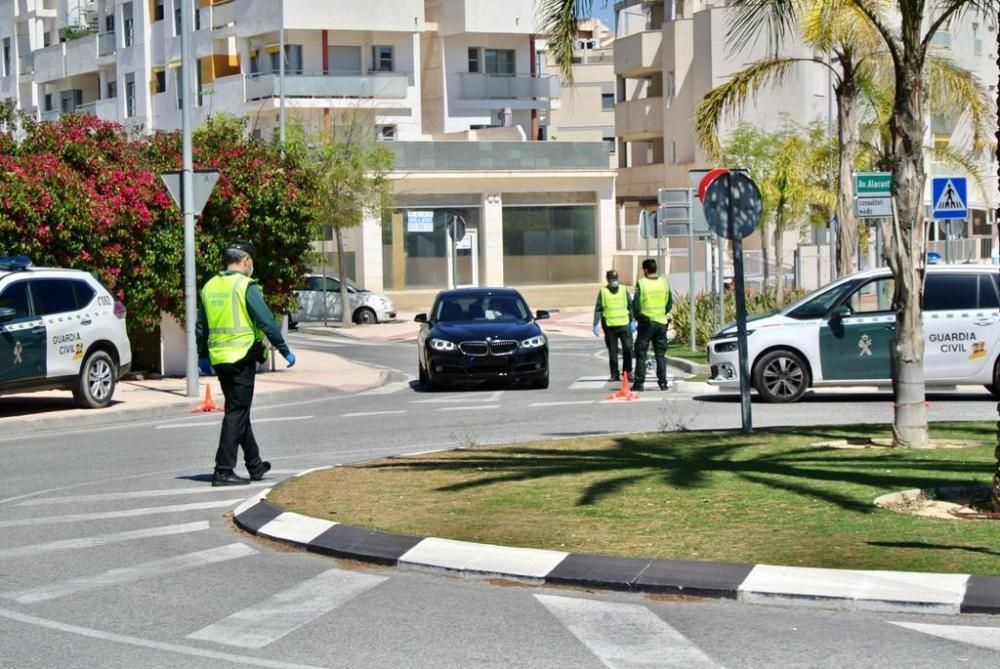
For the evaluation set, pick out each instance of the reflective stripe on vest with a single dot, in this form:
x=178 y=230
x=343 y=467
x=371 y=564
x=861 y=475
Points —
x=614 y=307
x=230 y=330
x=653 y=297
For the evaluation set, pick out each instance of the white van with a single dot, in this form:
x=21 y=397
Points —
x=843 y=334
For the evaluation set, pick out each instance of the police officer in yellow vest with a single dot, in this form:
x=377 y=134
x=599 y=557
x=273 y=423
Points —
x=232 y=322
x=613 y=311
x=650 y=306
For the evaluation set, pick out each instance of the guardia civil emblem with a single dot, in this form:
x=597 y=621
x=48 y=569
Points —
x=865 y=344
x=17 y=353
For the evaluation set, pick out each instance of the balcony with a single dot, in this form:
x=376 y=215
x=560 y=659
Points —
x=81 y=55
x=386 y=85
x=106 y=44
x=218 y=15
x=639 y=54
x=639 y=119
x=474 y=16
x=8 y=87
x=51 y=115
x=506 y=156
x=477 y=86
x=87 y=108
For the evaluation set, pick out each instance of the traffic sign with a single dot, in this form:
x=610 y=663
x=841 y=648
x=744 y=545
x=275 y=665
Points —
x=949 y=197
x=732 y=203
x=873 y=184
x=202 y=182
x=647 y=224
x=873 y=207
x=457 y=228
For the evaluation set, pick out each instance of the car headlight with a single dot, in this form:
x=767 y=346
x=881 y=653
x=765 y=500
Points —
x=726 y=347
x=534 y=342
x=442 y=345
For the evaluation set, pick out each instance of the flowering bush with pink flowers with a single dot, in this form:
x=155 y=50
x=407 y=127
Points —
x=86 y=194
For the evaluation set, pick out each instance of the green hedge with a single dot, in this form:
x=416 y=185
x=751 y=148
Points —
x=757 y=303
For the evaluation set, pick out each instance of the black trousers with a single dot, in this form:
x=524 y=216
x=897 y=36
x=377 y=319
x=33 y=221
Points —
x=613 y=336
x=237 y=381
x=655 y=334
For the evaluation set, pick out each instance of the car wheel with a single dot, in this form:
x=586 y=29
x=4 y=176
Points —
x=365 y=316
x=96 y=384
x=540 y=384
x=781 y=377
x=994 y=387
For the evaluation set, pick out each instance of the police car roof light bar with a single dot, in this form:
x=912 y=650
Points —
x=14 y=263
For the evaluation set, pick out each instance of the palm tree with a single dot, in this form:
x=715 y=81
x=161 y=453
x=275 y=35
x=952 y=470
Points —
x=558 y=20
x=901 y=25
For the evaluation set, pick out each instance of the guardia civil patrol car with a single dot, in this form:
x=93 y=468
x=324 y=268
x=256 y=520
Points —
x=60 y=329
x=843 y=335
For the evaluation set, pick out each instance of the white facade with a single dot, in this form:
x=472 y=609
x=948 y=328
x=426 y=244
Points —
x=429 y=72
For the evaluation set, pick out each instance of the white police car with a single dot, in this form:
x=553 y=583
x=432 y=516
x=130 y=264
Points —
x=843 y=334
x=60 y=329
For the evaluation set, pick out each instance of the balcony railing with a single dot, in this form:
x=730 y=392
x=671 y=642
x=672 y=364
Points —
x=51 y=115
x=478 y=86
x=86 y=108
x=376 y=85
x=106 y=44
x=217 y=15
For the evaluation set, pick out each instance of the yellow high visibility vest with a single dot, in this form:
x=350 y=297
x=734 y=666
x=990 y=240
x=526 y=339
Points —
x=231 y=333
x=653 y=297
x=614 y=307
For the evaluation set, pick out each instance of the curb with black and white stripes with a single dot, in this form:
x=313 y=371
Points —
x=909 y=592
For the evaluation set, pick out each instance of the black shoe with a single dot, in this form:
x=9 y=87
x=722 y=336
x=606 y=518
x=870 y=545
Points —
x=664 y=385
x=637 y=388
x=221 y=478
x=257 y=473
x=614 y=378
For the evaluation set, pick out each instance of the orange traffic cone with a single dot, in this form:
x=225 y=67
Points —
x=208 y=405
x=625 y=392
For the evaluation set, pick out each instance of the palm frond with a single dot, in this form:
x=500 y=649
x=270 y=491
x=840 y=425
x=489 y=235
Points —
x=948 y=10
x=952 y=87
x=557 y=19
x=727 y=98
x=750 y=19
x=961 y=161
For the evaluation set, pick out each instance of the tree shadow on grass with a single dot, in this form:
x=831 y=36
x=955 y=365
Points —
x=691 y=461
x=923 y=546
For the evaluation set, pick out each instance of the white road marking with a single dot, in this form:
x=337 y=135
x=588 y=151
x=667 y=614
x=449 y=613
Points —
x=463 y=398
x=390 y=388
x=256 y=421
x=283 y=613
x=984 y=637
x=137 y=572
x=145 y=643
x=625 y=635
x=590 y=382
x=102 y=540
x=138 y=494
x=477 y=407
x=129 y=513
x=561 y=404
x=358 y=414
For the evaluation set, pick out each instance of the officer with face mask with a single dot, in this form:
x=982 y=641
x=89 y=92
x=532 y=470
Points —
x=613 y=311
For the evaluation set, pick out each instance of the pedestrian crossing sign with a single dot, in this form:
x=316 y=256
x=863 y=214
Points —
x=949 y=198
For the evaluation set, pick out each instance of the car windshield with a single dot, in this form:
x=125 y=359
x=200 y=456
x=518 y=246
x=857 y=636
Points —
x=481 y=309
x=818 y=303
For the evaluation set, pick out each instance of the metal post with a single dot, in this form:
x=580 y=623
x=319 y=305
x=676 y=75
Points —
x=453 y=260
x=710 y=287
x=281 y=76
x=741 y=309
x=187 y=201
x=691 y=296
x=721 y=279
x=878 y=243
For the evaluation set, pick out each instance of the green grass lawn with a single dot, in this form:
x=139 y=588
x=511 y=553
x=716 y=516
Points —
x=772 y=497
x=686 y=353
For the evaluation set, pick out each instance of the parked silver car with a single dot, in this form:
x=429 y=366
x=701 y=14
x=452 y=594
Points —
x=315 y=304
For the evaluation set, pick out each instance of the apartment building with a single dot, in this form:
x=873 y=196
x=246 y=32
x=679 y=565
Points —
x=670 y=53
x=453 y=85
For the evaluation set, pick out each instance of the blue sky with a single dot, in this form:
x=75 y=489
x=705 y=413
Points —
x=604 y=11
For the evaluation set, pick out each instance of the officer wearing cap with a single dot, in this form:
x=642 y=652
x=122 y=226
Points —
x=651 y=307
x=613 y=311
x=232 y=322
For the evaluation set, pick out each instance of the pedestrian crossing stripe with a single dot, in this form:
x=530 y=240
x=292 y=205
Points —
x=949 y=195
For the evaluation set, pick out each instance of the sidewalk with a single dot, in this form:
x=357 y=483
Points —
x=315 y=373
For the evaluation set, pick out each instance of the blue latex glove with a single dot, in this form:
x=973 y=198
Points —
x=597 y=330
x=290 y=358
x=204 y=366
x=633 y=326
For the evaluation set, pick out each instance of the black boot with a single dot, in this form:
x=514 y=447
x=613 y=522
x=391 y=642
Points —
x=257 y=473
x=225 y=477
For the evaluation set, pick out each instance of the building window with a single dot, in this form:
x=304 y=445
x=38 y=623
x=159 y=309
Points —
x=382 y=59
x=499 y=61
x=544 y=244
x=46 y=38
x=293 y=60
x=112 y=91
x=130 y=95
x=415 y=240
x=474 y=56
x=610 y=142
x=607 y=101
x=178 y=22
x=158 y=11
x=159 y=81
x=109 y=23
x=128 y=24
x=6 y=57
x=386 y=133
x=977 y=41
x=48 y=102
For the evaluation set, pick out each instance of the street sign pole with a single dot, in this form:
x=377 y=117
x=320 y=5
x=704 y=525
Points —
x=741 y=310
x=187 y=192
x=691 y=296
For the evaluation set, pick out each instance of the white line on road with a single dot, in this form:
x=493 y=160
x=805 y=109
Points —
x=138 y=494
x=463 y=397
x=137 y=572
x=389 y=388
x=561 y=404
x=129 y=513
x=625 y=635
x=477 y=407
x=256 y=421
x=145 y=643
x=283 y=613
x=102 y=540
x=358 y=414
x=984 y=637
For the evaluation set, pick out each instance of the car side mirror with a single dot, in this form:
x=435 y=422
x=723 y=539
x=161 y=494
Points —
x=840 y=311
x=7 y=314
x=541 y=315
x=420 y=318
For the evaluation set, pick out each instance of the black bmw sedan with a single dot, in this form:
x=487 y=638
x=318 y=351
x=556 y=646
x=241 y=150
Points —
x=475 y=334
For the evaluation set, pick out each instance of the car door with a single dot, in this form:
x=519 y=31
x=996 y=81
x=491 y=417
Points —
x=22 y=339
x=857 y=346
x=67 y=331
x=961 y=324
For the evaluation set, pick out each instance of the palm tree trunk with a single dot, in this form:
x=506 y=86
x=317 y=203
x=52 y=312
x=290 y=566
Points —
x=779 y=260
x=847 y=135
x=906 y=257
x=346 y=312
x=765 y=256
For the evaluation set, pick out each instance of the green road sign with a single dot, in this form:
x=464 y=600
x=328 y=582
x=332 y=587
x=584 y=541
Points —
x=873 y=183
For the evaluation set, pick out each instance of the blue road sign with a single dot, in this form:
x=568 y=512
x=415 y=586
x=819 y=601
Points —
x=949 y=198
